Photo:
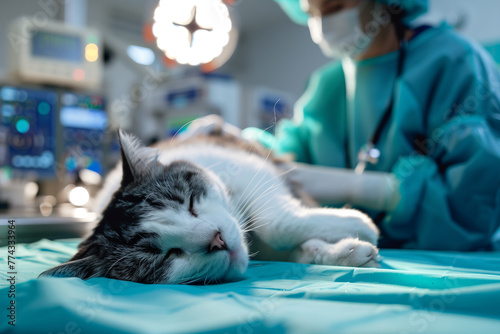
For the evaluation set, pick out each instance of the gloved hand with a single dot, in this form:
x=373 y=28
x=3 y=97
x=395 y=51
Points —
x=371 y=190
x=207 y=125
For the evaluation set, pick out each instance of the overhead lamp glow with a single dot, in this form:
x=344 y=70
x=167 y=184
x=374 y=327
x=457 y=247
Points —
x=192 y=32
x=78 y=196
x=141 y=55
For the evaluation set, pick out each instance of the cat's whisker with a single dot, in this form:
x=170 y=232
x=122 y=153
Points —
x=242 y=202
x=189 y=279
x=244 y=210
x=193 y=280
x=268 y=153
x=249 y=243
x=244 y=197
x=105 y=275
x=272 y=179
x=265 y=160
x=255 y=228
x=256 y=216
x=253 y=143
x=253 y=254
x=182 y=127
x=249 y=225
x=264 y=194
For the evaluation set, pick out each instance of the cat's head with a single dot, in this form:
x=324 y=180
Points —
x=165 y=224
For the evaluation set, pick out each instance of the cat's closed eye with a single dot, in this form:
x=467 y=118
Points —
x=191 y=206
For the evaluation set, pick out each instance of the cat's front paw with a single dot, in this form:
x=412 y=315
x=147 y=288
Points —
x=350 y=252
x=366 y=230
x=308 y=251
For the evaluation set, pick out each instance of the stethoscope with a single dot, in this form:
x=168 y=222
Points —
x=369 y=154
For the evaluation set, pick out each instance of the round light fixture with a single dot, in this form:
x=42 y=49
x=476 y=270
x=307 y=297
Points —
x=193 y=32
x=79 y=196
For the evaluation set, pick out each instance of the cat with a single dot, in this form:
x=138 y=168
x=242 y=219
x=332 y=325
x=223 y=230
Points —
x=179 y=213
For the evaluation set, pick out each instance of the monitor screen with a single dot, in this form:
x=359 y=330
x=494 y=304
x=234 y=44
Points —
x=27 y=131
x=57 y=46
x=84 y=122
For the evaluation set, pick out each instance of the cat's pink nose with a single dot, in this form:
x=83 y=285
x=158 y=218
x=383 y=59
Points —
x=217 y=243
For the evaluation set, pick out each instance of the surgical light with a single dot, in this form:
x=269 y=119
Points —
x=141 y=55
x=192 y=32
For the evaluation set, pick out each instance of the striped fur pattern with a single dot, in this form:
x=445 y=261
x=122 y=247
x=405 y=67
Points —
x=179 y=213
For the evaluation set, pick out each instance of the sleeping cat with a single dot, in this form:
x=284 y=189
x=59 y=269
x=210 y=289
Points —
x=179 y=213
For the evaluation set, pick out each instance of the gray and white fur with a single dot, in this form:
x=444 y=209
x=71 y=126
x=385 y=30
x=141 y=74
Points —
x=179 y=213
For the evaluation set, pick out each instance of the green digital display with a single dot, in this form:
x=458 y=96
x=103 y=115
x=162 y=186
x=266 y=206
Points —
x=57 y=46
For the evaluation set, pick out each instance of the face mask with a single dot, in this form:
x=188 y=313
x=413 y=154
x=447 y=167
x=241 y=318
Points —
x=340 y=34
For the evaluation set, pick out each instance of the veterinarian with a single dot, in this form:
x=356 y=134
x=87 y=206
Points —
x=407 y=116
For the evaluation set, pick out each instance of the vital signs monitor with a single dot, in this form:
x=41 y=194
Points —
x=55 y=53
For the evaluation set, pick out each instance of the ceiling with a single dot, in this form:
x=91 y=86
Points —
x=258 y=14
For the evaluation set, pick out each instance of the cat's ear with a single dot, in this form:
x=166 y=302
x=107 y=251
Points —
x=138 y=161
x=83 y=268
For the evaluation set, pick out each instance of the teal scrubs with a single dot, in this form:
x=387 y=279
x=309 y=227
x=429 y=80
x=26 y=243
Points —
x=442 y=141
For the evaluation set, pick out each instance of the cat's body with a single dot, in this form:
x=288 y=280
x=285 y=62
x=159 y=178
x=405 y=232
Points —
x=182 y=210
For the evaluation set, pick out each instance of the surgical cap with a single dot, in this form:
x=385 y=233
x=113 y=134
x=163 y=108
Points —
x=413 y=8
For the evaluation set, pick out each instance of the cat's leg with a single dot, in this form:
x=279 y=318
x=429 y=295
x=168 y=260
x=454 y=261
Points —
x=346 y=252
x=260 y=196
x=284 y=223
